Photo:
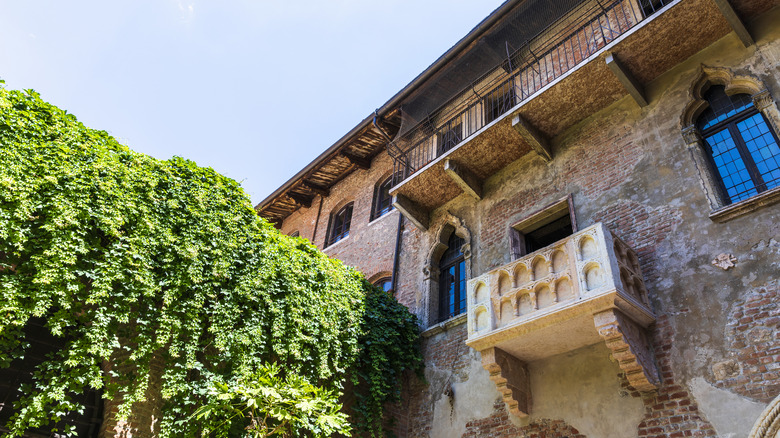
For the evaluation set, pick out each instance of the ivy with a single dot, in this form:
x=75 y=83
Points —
x=133 y=260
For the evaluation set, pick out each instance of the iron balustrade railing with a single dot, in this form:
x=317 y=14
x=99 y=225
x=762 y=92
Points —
x=557 y=50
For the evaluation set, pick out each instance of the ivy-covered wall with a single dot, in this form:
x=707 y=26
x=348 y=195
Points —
x=133 y=261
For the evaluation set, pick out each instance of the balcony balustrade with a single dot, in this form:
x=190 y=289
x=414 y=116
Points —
x=564 y=45
x=584 y=289
x=588 y=60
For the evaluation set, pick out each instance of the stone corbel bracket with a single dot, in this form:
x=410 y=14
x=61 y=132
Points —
x=511 y=378
x=628 y=342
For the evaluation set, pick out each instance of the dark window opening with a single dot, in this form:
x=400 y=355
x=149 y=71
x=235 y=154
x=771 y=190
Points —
x=385 y=283
x=42 y=344
x=383 y=202
x=499 y=102
x=449 y=136
x=295 y=234
x=742 y=149
x=548 y=234
x=650 y=7
x=452 y=280
x=340 y=222
x=542 y=229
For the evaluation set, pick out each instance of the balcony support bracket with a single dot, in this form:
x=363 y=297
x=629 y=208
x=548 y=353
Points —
x=628 y=342
x=628 y=81
x=533 y=137
x=735 y=22
x=467 y=181
x=511 y=378
x=418 y=215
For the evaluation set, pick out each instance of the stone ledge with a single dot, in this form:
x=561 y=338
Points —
x=746 y=206
x=444 y=325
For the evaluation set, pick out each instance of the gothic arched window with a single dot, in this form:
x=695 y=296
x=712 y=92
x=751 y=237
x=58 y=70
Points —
x=452 y=279
x=743 y=149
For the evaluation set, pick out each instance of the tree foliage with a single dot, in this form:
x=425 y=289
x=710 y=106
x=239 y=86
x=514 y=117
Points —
x=129 y=258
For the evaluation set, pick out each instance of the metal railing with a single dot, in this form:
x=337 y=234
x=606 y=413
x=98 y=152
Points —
x=558 y=49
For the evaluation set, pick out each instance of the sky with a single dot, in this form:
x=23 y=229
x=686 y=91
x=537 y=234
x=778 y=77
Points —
x=254 y=89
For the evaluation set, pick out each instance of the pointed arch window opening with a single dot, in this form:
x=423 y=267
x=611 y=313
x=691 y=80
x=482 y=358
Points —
x=452 y=279
x=741 y=147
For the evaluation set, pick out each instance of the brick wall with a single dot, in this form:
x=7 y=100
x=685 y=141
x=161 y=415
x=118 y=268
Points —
x=447 y=352
x=671 y=411
x=754 y=341
x=371 y=244
x=499 y=426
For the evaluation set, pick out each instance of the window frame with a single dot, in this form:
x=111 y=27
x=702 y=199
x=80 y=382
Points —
x=449 y=136
x=459 y=293
x=730 y=124
x=538 y=219
x=377 y=210
x=380 y=283
x=335 y=234
x=734 y=83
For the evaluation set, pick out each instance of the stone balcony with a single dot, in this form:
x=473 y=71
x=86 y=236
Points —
x=584 y=289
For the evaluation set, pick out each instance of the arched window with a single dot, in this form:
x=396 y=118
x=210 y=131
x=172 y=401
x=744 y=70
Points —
x=295 y=233
x=339 y=224
x=383 y=202
x=386 y=283
x=743 y=149
x=452 y=279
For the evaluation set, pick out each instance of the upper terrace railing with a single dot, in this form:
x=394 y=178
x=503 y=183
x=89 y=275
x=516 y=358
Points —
x=558 y=49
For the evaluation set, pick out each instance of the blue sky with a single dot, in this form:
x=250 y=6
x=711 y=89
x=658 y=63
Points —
x=254 y=89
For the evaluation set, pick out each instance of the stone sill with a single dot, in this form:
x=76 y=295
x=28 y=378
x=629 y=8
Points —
x=746 y=206
x=445 y=325
x=333 y=245
x=384 y=216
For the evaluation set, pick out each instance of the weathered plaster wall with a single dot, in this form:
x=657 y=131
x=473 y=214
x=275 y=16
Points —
x=717 y=333
x=716 y=340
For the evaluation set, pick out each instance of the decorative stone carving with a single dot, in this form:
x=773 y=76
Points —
x=511 y=378
x=708 y=76
x=588 y=286
x=583 y=266
x=630 y=348
x=734 y=83
x=725 y=261
x=451 y=224
x=762 y=100
x=691 y=136
x=725 y=369
x=764 y=103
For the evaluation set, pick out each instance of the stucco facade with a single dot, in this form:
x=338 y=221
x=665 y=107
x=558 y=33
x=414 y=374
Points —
x=708 y=350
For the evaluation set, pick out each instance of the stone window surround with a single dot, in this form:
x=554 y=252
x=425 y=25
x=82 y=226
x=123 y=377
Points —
x=764 y=103
x=431 y=272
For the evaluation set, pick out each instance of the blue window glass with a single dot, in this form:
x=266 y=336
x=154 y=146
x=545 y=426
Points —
x=743 y=149
x=452 y=280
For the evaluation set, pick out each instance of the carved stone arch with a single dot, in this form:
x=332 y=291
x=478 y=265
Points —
x=733 y=83
x=378 y=276
x=450 y=224
x=768 y=424
x=709 y=76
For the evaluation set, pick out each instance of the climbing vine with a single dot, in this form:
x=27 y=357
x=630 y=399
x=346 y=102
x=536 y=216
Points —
x=136 y=262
